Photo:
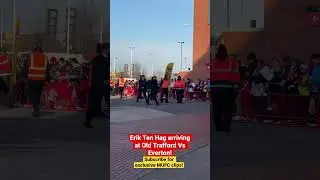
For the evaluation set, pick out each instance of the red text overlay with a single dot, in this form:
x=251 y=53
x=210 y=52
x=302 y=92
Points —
x=160 y=144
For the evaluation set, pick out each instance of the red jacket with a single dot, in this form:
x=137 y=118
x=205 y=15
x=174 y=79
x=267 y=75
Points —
x=224 y=73
x=179 y=84
x=4 y=64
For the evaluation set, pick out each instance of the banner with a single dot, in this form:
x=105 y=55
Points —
x=168 y=71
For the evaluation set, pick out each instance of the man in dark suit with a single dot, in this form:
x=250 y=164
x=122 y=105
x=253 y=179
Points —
x=100 y=66
x=153 y=86
x=142 y=89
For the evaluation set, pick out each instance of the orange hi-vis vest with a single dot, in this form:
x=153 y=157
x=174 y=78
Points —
x=235 y=74
x=165 y=84
x=224 y=73
x=4 y=64
x=38 y=64
x=121 y=82
x=179 y=84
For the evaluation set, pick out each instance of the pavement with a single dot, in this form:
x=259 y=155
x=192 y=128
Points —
x=56 y=146
x=190 y=117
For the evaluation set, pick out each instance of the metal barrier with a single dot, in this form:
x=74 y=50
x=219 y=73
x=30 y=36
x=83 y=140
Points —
x=197 y=95
x=277 y=109
x=59 y=95
x=130 y=91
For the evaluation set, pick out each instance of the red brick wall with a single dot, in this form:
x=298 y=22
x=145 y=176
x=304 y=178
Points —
x=201 y=39
x=285 y=33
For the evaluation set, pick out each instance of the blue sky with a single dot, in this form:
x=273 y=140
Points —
x=153 y=27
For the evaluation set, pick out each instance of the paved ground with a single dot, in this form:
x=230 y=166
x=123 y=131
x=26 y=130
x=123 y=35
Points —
x=264 y=152
x=190 y=117
x=52 y=148
x=197 y=166
x=57 y=147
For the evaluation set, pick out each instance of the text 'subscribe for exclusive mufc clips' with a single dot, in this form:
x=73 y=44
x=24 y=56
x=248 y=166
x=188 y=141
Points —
x=160 y=149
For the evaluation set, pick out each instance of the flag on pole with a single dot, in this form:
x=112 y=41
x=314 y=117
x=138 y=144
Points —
x=169 y=70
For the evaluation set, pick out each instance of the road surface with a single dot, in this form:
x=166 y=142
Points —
x=57 y=147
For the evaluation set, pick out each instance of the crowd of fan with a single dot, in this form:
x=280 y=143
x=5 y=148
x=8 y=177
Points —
x=286 y=75
x=280 y=75
x=197 y=86
x=58 y=69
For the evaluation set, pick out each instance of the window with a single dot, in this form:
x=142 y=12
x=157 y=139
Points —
x=253 y=23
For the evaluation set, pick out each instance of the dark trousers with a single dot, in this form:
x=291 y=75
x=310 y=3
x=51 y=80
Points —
x=5 y=89
x=141 y=92
x=23 y=96
x=179 y=95
x=106 y=93
x=164 y=92
x=35 y=90
x=153 y=96
x=94 y=104
x=121 y=91
x=149 y=94
x=222 y=106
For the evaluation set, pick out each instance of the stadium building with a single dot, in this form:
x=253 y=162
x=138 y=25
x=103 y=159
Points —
x=201 y=39
x=267 y=27
x=46 y=21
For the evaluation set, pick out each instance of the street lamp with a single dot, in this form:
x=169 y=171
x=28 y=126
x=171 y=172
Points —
x=114 y=63
x=101 y=21
x=228 y=14
x=131 y=59
x=1 y=27
x=68 y=29
x=14 y=30
x=181 y=44
x=152 y=70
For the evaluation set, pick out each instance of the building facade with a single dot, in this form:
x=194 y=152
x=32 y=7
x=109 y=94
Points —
x=236 y=15
x=48 y=20
x=284 y=29
x=201 y=40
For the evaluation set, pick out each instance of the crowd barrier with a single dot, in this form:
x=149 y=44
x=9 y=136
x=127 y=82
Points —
x=130 y=91
x=197 y=96
x=59 y=95
x=277 y=109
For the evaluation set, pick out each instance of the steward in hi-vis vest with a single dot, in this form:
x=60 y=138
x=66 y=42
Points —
x=224 y=82
x=4 y=65
x=5 y=76
x=37 y=77
x=179 y=86
x=122 y=82
x=165 y=89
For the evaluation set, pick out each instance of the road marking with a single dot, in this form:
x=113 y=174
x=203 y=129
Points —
x=132 y=113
